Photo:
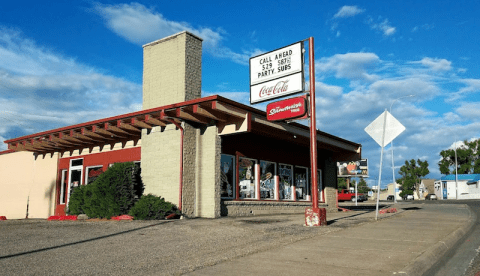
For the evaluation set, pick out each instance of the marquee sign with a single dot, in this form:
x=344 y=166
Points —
x=287 y=109
x=276 y=74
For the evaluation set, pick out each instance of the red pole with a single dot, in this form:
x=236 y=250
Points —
x=313 y=125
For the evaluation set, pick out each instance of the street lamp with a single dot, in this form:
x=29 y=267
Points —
x=456 y=172
x=391 y=146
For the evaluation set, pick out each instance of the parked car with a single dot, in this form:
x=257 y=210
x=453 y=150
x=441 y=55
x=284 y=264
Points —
x=408 y=197
x=431 y=197
x=346 y=195
x=390 y=197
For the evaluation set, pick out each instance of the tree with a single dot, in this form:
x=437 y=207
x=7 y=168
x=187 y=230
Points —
x=467 y=159
x=412 y=173
x=362 y=186
x=342 y=183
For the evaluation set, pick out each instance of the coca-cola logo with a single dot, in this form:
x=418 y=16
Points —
x=279 y=87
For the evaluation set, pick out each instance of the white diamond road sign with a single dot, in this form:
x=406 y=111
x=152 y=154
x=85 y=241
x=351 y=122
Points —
x=393 y=128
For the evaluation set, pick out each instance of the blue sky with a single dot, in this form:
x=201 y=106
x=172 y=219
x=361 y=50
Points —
x=66 y=62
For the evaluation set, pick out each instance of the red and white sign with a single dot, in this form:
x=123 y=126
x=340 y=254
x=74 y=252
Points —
x=287 y=109
x=276 y=74
x=276 y=88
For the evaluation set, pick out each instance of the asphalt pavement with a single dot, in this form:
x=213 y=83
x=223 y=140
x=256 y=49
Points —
x=408 y=242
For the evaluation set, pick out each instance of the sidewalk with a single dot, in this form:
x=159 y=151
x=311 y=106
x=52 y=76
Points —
x=353 y=243
x=406 y=243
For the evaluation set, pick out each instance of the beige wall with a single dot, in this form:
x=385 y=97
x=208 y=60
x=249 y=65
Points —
x=172 y=69
x=208 y=173
x=24 y=179
x=161 y=162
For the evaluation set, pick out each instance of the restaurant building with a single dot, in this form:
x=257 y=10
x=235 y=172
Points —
x=210 y=156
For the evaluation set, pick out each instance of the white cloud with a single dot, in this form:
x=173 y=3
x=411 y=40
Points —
x=351 y=65
x=469 y=110
x=472 y=86
x=436 y=64
x=348 y=11
x=41 y=90
x=385 y=27
x=140 y=25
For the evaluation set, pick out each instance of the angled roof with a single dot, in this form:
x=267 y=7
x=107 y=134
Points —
x=207 y=111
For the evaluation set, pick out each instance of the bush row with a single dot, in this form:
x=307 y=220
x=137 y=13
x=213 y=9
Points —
x=118 y=191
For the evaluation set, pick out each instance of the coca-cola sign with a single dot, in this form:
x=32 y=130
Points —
x=276 y=88
x=287 y=109
x=276 y=74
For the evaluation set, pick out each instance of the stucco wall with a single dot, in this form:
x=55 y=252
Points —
x=208 y=173
x=26 y=180
x=161 y=162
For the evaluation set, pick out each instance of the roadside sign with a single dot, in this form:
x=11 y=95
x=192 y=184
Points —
x=287 y=109
x=392 y=126
x=358 y=168
x=277 y=73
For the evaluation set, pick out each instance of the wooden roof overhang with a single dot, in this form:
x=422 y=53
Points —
x=229 y=116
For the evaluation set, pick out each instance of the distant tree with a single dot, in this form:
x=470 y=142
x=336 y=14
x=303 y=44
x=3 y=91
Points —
x=362 y=186
x=467 y=159
x=412 y=173
x=341 y=183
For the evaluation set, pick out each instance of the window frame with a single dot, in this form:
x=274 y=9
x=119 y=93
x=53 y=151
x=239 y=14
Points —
x=280 y=180
x=274 y=178
x=255 y=180
x=87 y=170
x=234 y=177
x=307 y=182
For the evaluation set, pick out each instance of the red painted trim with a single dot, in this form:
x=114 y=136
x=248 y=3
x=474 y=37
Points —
x=212 y=98
x=313 y=124
x=104 y=158
x=7 y=151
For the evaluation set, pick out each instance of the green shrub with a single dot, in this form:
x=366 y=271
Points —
x=153 y=207
x=113 y=193
x=77 y=202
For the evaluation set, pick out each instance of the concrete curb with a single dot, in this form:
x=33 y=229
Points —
x=428 y=258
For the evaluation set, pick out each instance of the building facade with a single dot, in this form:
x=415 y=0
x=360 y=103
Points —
x=463 y=186
x=210 y=156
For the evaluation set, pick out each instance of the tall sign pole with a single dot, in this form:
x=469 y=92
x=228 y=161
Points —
x=278 y=74
x=313 y=125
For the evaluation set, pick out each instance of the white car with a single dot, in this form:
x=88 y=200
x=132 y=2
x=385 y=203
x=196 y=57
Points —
x=408 y=197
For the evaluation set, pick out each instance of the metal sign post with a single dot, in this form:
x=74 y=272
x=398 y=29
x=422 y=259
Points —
x=313 y=125
x=383 y=130
x=269 y=82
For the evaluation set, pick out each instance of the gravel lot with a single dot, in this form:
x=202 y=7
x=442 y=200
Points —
x=40 y=247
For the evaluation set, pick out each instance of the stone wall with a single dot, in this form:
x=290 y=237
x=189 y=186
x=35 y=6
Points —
x=208 y=172
x=252 y=208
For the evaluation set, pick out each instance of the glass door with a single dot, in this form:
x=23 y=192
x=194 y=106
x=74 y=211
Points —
x=75 y=179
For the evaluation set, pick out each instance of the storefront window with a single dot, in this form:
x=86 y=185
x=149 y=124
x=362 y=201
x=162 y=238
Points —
x=267 y=180
x=227 y=169
x=319 y=184
x=286 y=181
x=93 y=173
x=301 y=183
x=246 y=177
